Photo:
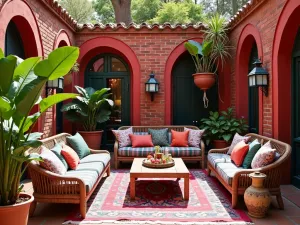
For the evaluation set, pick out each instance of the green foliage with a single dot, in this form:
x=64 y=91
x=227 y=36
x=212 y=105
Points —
x=81 y=10
x=144 y=10
x=90 y=108
x=222 y=126
x=20 y=90
x=104 y=10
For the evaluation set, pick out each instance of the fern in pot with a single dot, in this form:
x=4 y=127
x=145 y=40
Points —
x=22 y=82
x=89 y=109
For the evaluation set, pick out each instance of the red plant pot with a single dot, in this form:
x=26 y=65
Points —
x=92 y=138
x=204 y=81
x=217 y=144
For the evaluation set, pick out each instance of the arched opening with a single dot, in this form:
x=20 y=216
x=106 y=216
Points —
x=188 y=107
x=111 y=71
x=13 y=41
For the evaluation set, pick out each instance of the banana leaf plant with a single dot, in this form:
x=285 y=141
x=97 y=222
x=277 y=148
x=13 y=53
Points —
x=21 y=84
x=90 y=108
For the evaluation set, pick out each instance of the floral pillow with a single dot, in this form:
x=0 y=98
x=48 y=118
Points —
x=236 y=139
x=264 y=156
x=51 y=162
x=194 y=137
x=122 y=137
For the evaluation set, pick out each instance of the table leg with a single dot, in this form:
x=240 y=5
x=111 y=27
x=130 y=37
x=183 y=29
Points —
x=186 y=188
x=132 y=188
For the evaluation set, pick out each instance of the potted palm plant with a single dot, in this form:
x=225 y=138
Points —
x=20 y=90
x=212 y=54
x=221 y=128
x=89 y=109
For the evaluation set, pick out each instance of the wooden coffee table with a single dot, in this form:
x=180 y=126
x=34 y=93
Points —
x=178 y=171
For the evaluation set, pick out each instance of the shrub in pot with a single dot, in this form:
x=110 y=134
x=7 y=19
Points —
x=89 y=109
x=220 y=128
x=22 y=82
x=212 y=54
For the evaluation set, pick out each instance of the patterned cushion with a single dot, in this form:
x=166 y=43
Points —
x=104 y=158
x=92 y=166
x=51 y=162
x=227 y=171
x=122 y=137
x=57 y=151
x=253 y=148
x=264 y=156
x=184 y=151
x=194 y=137
x=89 y=177
x=236 y=139
x=215 y=158
x=159 y=137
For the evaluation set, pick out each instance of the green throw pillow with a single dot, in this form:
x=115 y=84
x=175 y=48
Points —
x=159 y=137
x=79 y=145
x=254 y=146
x=57 y=151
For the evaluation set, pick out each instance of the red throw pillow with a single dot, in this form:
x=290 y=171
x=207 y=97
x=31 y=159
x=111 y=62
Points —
x=180 y=139
x=141 y=140
x=70 y=156
x=239 y=153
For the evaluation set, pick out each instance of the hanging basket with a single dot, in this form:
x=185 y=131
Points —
x=204 y=81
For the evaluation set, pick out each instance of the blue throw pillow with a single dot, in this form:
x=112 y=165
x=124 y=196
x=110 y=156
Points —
x=79 y=145
x=57 y=151
x=159 y=137
x=254 y=146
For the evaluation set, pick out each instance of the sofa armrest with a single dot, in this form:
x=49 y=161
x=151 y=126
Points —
x=93 y=151
x=219 y=151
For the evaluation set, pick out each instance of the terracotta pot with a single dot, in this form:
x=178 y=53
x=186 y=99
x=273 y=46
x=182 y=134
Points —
x=16 y=214
x=92 y=138
x=257 y=198
x=204 y=81
x=217 y=144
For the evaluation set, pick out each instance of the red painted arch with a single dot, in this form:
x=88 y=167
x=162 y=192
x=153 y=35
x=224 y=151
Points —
x=23 y=17
x=62 y=39
x=285 y=35
x=175 y=54
x=100 y=45
x=248 y=37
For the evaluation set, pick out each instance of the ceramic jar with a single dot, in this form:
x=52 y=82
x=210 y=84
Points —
x=257 y=198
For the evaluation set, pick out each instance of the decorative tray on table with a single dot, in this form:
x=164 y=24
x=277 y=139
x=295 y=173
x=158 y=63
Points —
x=158 y=163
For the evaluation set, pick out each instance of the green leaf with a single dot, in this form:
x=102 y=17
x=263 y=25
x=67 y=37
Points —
x=1 y=54
x=34 y=136
x=207 y=48
x=192 y=49
x=4 y=104
x=54 y=99
x=26 y=67
x=30 y=121
x=198 y=45
x=82 y=91
x=103 y=116
x=227 y=137
x=58 y=64
x=7 y=66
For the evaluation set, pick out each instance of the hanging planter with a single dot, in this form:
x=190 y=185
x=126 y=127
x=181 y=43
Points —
x=204 y=81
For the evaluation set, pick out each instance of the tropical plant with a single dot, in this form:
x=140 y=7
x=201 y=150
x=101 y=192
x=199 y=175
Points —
x=215 y=48
x=22 y=82
x=90 y=108
x=222 y=126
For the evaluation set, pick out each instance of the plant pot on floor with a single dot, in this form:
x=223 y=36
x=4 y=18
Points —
x=204 y=81
x=218 y=144
x=16 y=214
x=92 y=138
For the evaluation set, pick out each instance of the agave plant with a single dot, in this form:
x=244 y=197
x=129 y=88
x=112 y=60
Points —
x=90 y=108
x=22 y=82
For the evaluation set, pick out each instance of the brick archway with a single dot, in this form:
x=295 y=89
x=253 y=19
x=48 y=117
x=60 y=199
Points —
x=248 y=37
x=20 y=13
x=285 y=35
x=62 y=39
x=99 y=45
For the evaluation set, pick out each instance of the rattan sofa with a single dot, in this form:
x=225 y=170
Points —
x=128 y=157
x=239 y=179
x=53 y=188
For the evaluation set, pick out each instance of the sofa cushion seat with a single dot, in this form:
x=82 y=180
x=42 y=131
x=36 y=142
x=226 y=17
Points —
x=227 y=171
x=215 y=158
x=144 y=151
x=89 y=177
x=91 y=166
x=104 y=158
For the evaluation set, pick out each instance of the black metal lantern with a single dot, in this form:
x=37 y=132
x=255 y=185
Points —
x=258 y=77
x=152 y=85
x=55 y=84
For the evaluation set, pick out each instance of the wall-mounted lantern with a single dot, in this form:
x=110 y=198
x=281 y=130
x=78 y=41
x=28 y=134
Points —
x=55 y=84
x=259 y=77
x=152 y=85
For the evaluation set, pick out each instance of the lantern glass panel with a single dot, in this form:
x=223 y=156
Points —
x=60 y=83
x=259 y=80
x=265 y=80
x=152 y=88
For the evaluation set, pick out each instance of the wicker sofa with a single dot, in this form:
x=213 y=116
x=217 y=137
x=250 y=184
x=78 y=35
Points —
x=127 y=154
x=76 y=186
x=236 y=180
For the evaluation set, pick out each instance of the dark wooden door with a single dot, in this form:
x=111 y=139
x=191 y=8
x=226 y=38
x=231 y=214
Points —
x=253 y=98
x=110 y=71
x=296 y=113
x=188 y=108
x=13 y=41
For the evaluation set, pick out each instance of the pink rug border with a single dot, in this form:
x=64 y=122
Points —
x=246 y=219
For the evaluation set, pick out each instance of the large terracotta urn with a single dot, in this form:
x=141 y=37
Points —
x=218 y=144
x=204 y=81
x=257 y=198
x=16 y=214
x=92 y=138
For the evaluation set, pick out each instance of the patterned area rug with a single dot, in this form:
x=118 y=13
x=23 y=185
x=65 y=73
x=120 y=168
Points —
x=160 y=201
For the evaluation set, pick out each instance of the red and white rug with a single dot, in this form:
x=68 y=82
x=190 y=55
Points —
x=160 y=201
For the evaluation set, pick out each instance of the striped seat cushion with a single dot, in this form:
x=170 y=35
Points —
x=227 y=171
x=215 y=158
x=184 y=151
